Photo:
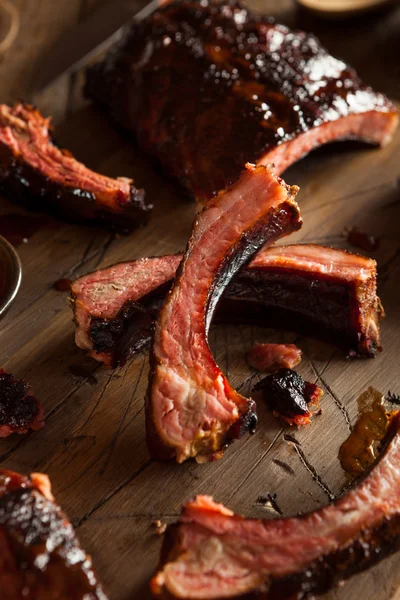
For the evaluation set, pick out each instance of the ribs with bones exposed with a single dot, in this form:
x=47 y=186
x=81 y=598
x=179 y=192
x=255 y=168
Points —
x=207 y=86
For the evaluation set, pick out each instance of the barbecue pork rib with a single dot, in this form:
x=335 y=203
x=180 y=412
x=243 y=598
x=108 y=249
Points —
x=312 y=289
x=191 y=410
x=206 y=86
x=20 y=411
x=36 y=173
x=211 y=553
x=40 y=557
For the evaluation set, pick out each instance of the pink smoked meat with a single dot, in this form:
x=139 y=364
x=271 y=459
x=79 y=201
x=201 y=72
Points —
x=20 y=411
x=36 y=173
x=191 y=409
x=213 y=554
x=312 y=289
x=206 y=86
x=271 y=357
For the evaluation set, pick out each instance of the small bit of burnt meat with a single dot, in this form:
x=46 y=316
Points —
x=206 y=86
x=306 y=288
x=34 y=172
x=40 y=558
x=211 y=553
x=288 y=396
x=272 y=357
x=20 y=411
x=191 y=410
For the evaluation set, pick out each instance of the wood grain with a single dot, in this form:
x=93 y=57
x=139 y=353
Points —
x=93 y=445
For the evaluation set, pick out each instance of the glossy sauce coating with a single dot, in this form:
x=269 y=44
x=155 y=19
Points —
x=41 y=558
x=207 y=87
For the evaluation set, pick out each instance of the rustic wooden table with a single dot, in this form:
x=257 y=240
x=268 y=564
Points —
x=93 y=444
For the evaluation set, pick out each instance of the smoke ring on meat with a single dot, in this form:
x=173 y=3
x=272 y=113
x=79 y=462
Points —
x=191 y=410
x=311 y=289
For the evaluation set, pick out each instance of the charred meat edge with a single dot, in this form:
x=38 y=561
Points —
x=232 y=86
x=289 y=396
x=20 y=411
x=41 y=558
x=34 y=172
x=211 y=553
x=312 y=289
x=191 y=410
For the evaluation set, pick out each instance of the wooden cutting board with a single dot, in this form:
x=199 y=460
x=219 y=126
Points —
x=93 y=444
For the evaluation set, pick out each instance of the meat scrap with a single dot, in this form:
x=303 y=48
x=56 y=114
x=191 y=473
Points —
x=211 y=553
x=36 y=173
x=271 y=357
x=191 y=410
x=363 y=240
x=20 y=411
x=41 y=558
x=290 y=397
x=207 y=86
x=311 y=289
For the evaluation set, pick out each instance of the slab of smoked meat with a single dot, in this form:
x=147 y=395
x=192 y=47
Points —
x=40 y=556
x=20 y=411
x=34 y=172
x=311 y=289
x=208 y=86
x=211 y=553
x=191 y=410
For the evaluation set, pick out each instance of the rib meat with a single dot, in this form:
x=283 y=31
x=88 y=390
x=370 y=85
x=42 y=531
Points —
x=307 y=288
x=206 y=86
x=37 y=173
x=211 y=553
x=19 y=409
x=40 y=556
x=191 y=409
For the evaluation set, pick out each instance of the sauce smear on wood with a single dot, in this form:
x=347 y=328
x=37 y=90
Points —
x=361 y=448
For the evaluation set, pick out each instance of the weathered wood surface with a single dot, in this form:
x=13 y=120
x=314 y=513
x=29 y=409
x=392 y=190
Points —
x=93 y=445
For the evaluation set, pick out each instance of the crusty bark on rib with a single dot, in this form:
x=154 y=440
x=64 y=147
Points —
x=40 y=558
x=191 y=410
x=312 y=289
x=206 y=86
x=213 y=554
x=36 y=173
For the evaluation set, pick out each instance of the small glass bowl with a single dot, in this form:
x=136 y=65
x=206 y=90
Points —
x=10 y=274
